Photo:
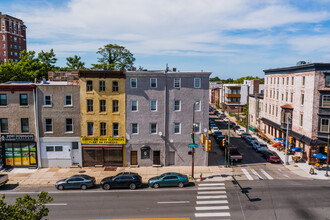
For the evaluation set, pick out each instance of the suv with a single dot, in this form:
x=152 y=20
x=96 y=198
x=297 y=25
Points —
x=271 y=156
x=249 y=140
x=245 y=135
x=259 y=147
x=122 y=180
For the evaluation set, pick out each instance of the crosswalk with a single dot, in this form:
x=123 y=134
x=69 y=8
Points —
x=260 y=174
x=211 y=201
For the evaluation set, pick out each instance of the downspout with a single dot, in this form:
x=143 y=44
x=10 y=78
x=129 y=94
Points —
x=36 y=121
x=165 y=117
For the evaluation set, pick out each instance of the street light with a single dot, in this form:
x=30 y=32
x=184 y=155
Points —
x=286 y=139
x=193 y=139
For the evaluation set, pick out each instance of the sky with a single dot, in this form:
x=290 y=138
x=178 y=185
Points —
x=230 y=38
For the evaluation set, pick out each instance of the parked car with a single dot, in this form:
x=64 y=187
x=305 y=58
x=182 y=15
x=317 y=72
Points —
x=232 y=124
x=217 y=133
x=240 y=131
x=122 y=180
x=244 y=136
x=79 y=181
x=169 y=179
x=259 y=147
x=214 y=129
x=236 y=127
x=219 y=139
x=250 y=139
x=235 y=155
x=222 y=117
x=271 y=156
x=3 y=179
x=226 y=120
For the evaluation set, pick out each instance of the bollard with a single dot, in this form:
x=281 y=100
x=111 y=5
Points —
x=201 y=176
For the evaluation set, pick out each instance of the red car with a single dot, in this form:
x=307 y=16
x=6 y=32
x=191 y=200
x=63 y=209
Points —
x=271 y=157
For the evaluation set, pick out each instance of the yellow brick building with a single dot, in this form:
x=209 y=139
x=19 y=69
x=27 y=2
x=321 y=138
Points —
x=102 y=116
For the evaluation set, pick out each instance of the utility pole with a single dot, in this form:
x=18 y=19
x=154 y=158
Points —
x=193 y=140
x=326 y=173
x=228 y=160
x=286 y=140
x=247 y=109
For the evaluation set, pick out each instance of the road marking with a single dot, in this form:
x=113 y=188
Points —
x=255 y=173
x=211 y=202
x=215 y=214
x=247 y=174
x=205 y=208
x=266 y=174
x=56 y=204
x=211 y=184
x=212 y=197
x=173 y=202
x=209 y=188
x=212 y=192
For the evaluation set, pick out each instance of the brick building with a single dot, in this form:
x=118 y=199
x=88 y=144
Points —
x=12 y=38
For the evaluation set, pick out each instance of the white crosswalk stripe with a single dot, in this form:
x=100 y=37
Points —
x=208 y=202
x=255 y=173
x=208 y=208
x=247 y=174
x=212 y=197
x=210 y=188
x=216 y=214
x=211 y=192
x=211 y=184
x=266 y=174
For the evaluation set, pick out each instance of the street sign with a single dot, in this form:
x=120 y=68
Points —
x=193 y=146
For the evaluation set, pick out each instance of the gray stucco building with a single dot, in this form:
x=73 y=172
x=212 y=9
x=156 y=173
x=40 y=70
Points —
x=159 y=117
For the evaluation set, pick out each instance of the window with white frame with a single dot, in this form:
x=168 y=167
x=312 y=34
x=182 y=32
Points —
x=302 y=99
x=134 y=128
x=303 y=80
x=324 y=125
x=197 y=127
x=177 y=128
x=115 y=129
x=103 y=129
x=177 y=83
x=48 y=125
x=197 y=105
x=102 y=86
x=90 y=107
x=153 y=83
x=134 y=105
x=68 y=125
x=326 y=101
x=153 y=105
x=54 y=148
x=68 y=100
x=133 y=82
x=301 y=120
x=197 y=83
x=48 y=100
x=103 y=105
x=177 y=105
x=153 y=128
x=58 y=148
x=90 y=128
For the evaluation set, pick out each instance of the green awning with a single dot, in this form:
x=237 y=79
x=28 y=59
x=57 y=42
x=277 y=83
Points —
x=251 y=128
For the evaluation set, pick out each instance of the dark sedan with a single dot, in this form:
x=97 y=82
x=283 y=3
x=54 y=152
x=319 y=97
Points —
x=169 y=179
x=122 y=180
x=76 y=182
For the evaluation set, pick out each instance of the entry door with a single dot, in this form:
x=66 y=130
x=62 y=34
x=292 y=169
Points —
x=133 y=157
x=157 y=157
x=75 y=153
x=171 y=159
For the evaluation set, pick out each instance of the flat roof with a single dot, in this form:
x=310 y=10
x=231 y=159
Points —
x=299 y=68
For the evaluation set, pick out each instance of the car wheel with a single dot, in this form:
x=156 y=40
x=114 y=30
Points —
x=132 y=186
x=107 y=186
x=83 y=187
x=156 y=185
x=180 y=184
x=60 y=187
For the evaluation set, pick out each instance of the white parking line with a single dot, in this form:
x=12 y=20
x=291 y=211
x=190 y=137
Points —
x=211 y=184
x=255 y=173
x=247 y=174
x=212 y=192
x=173 y=202
x=212 y=197
x=211 y=202
x=205 y=208
x=266 y=174
x=215 y=214
x=210 y=188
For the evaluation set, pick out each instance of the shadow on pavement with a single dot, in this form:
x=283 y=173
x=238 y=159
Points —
x=8 y=187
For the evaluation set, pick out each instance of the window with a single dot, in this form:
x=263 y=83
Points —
x=49 y=148
x=177 y=105
x=3 y=100
x=177 y=128
x=177 y=83
x=49 y=125
x=90 y=128
x=282 y=96
x=4 y=46
x=15 y=39
x=302 y=99
x=197 y=127
x=102 y=86
x=273 y=110
x=277 y=95
x=115 y=105
x=271 y=80
x=327 y=80
x=90 y=105
x=68 y=125
x=153 y=105
x=301 y=119
x=197 y=105
x=283 y=80
x=58 y=148
x=324 y=125
x=278 y=80
x=292 y=80
x=89 y=86
x=276 y=111
x=24 y=125
x=286 y=96
x=134 y=128
x=326 y=101
x=133 y=83
x=153 y=128
x=145 y=153
x=115 y=129
x=291 y=97
x=115 y=87
x=287 y=80
x=67 y=100
x=3 y=37
x=47 y=100
x=303 y=81
x=102 y=106
x=270 y=93
x=197 y=83
x=134 y=106
x=103 y=129
x=266 y=108
x=4 y=125
x=23 y=99
x=153 y=83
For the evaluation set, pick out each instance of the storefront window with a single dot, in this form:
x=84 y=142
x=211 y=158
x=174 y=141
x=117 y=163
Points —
x=145 y=153
x=20 y=154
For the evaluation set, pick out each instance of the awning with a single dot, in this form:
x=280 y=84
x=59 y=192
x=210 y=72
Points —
x=320 y=156
x=277 y=144
x=102 y=145
x=297 y=149
x=251 y=128
x=288 y=106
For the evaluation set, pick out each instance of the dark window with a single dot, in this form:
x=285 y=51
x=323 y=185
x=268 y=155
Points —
x=145 y=153
x=58 y=148
x=90 y=128
x=23 y=99
x=115 y=87
x=68 y=125
x=49 y=148
x=102 y=106
x=115 y=106
x=4 y=125
x=75 y=145
x=102 y=86
x=47 y=100
x=89 y=105
x=153 y=83
x=115 y=129
x=24 y=125
x=68 y=100
x=103 y=129
x=89 y=86
x=3 y=100
x=48 y=125
x=134 y=128
x=327 y=80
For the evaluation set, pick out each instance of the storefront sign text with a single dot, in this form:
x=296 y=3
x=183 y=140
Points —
x=17 y=138
x=86 y=140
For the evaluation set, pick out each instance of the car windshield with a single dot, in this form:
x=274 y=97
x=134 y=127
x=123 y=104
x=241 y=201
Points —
x=263 y=145
x=252 y=139
x=274 y=154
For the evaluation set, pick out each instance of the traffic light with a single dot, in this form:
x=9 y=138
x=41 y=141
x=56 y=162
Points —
x=207 y=145
x=223 y=142
x=326 y=149
x=291 y=140
x=203 y=137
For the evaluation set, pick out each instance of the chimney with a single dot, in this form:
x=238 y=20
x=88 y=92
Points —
x=43 y=81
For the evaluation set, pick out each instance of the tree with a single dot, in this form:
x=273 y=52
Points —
x=74 y=63
x=114 y=57
x=25 y=207
x=215 y=79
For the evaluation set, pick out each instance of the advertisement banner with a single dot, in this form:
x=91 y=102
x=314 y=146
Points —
x=9 y=158
x=17 y=158
x=87 y=140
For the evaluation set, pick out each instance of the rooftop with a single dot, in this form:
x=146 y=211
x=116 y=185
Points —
x=299 y=68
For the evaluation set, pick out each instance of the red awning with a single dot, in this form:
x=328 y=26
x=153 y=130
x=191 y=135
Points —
x=277 y=144
x=288 y=106
x=102 y=145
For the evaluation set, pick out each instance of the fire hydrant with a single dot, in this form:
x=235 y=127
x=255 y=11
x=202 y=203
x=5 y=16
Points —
x=201 y=176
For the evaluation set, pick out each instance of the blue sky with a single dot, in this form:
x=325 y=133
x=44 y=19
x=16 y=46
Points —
x=229 y=38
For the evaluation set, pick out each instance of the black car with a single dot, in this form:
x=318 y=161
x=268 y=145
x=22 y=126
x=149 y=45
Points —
x=122 y=180
x=76 y=182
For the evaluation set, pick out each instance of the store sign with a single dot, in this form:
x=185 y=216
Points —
x=17 y=138
x=87 y=140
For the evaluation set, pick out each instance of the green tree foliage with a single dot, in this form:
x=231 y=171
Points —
x=215 y=79
x=74 y=63
x=26 y=207
x=114 y=57
x=236 y=81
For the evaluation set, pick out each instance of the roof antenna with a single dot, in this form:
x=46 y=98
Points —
x=167 y=69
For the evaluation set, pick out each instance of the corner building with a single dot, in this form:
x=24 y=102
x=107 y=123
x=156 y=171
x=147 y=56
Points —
x=102 y=116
